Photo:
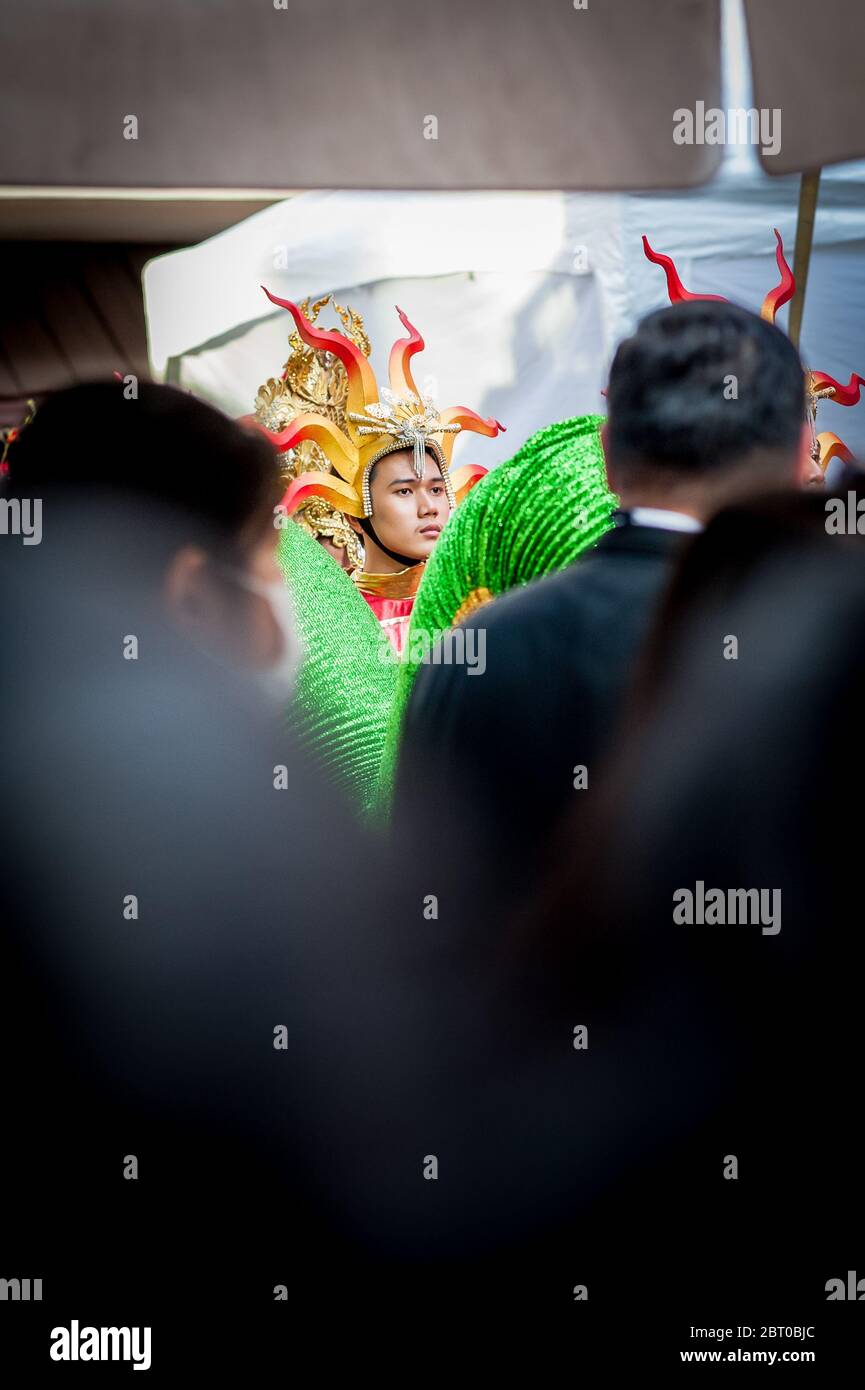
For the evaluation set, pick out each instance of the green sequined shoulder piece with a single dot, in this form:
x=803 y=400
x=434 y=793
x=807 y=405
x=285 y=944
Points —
x=347 y=677
x=532 y=515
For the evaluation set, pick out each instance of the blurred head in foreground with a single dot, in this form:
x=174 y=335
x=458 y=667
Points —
x=706 y=406
x=740 y=546
x=733 y=763
x=198 y=491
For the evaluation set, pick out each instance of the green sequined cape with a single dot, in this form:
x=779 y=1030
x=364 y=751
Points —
x=346 y=681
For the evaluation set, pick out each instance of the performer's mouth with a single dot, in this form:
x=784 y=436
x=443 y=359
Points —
x=431 y=531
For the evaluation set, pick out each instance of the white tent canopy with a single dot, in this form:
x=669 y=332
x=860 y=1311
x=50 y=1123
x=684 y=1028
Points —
x=521 y=297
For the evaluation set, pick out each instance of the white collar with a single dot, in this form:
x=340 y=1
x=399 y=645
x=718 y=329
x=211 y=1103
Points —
x=663 y=520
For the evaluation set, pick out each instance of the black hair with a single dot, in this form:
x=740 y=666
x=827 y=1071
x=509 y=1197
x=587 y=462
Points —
x=699 y=388
x=720 y=566
x=161 y=451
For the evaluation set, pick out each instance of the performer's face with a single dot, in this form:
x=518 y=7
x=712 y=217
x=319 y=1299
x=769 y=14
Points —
x=811 y=473
x=408 y=513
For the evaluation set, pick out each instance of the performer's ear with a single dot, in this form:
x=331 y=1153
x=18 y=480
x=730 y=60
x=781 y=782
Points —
x=354 y=524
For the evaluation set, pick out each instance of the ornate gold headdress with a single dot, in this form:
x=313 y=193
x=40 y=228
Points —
x=313 y=379
x=375 y=423
x=818 y=385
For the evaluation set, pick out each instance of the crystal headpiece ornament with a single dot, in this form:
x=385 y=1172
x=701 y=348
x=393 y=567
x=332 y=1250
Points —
x=376 y=423
x=818 y=385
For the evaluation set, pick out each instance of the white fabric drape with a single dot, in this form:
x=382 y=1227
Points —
x=521 y=297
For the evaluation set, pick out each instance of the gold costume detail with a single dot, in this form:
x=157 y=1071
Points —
x=403 y=584
x=375 y=421
x=314 y=380
x=411 y=421
x=473 y=601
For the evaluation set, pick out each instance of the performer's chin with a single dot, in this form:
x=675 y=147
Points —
x=425 y=544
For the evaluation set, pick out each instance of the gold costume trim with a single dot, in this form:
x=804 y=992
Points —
x=402 y=584
x=314 y=380
x=475 y=600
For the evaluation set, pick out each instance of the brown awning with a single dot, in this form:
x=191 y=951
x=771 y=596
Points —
x=808 y=62
x=543 y=94
x=228 y=93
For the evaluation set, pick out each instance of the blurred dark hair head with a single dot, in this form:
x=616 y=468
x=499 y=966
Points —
x=700 y=388
x=731 y=763
x=770 y=575
x=160 y=452
x=739 y=545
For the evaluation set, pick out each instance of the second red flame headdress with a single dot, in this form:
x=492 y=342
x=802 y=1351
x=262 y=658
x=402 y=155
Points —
x=819 y=385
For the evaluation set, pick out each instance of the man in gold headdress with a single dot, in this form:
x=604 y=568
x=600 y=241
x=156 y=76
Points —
x=358 y=453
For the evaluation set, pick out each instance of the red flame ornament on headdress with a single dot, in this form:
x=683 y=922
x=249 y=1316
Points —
x=378 y=422
x=819 y=385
